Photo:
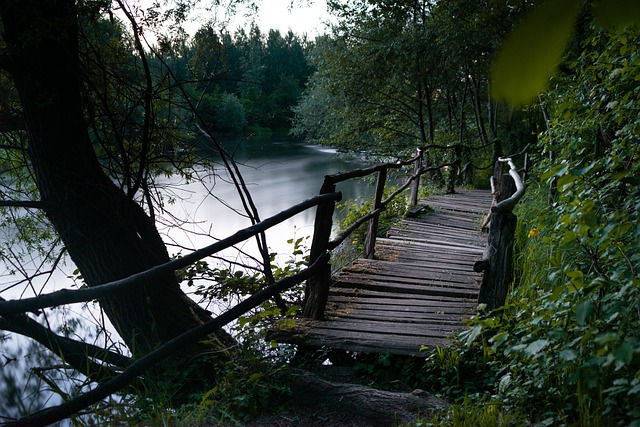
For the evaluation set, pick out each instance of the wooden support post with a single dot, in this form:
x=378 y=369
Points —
x=415 y=185
x=497 y=263
x=370 y=241
x=317 y=289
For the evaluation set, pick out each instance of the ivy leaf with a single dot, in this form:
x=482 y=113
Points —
x=568 y=355
x=617 y=13
x=533 y=51
x=624 y=353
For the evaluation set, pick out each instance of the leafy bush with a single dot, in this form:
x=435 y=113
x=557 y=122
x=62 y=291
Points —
x=565 y=349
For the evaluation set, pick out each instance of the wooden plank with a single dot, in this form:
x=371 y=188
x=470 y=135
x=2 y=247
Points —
x=400 y=318
x=406 y=298
x=453 y=318
x=372 y=297
x=345 y=306
x=434 y=245
x=404 y=288
x=420 y=265
x=361 y=342
x=418 y=255
x=346 y=278
x=389 y=328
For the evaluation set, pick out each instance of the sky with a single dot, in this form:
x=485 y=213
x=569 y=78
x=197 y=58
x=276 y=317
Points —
x=276 y=14
x=305 y=16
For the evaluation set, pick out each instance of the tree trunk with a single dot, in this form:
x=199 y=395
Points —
x=107 y=235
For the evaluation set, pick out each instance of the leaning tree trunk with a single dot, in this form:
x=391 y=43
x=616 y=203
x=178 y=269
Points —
x=107 y=235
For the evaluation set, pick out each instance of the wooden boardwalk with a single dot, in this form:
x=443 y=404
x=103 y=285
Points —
x=417 y=290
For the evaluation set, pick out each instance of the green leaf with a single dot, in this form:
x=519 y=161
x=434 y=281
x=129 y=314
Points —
x=536 y=347
x=533 y=51
x=617 y=13
x=568 y=355
x=624 y=353
x=584 y=310
x=473 y=334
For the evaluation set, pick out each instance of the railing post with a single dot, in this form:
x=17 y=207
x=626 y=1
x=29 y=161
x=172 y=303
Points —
x=370 y=241
x=415 y=185
x=317 y=289
x=497 y=263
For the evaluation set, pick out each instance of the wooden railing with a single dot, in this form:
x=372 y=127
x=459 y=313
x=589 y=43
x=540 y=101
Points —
x=317 y=290
x=497 y=261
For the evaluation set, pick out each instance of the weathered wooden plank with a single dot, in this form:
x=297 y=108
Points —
x=361 y=342
x=390 y=328
x=450 y=318
x=412 y=289
x=420 y=265
x=442 y=245
x=408 y=298
x=344 y=306
x=431 y=227
x=401 y=318
x=418 y=255
x=346 y=278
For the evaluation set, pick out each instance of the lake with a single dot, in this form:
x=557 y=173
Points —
x=278 y=173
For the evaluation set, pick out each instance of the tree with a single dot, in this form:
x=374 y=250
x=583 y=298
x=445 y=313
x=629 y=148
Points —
x=105 y=232
x=396 y=75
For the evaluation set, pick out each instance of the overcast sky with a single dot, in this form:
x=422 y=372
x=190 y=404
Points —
x=276 y=14
x=305 y=16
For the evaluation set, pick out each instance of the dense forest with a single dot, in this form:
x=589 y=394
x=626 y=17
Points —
x=100 y=99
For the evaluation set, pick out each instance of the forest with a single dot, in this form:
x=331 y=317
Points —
x=101 y=101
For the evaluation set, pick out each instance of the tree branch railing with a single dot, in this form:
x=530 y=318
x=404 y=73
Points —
x=67 y=296
x=497 y=261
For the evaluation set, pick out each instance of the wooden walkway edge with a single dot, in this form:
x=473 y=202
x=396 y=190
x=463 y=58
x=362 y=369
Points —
x=416 y=292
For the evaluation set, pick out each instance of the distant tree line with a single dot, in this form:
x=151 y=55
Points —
x=246 y=81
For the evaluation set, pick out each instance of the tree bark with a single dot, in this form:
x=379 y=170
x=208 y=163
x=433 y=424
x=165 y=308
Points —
x=107 y=235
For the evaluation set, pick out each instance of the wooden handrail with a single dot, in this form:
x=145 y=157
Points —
x=67 y=296
x=497 y=261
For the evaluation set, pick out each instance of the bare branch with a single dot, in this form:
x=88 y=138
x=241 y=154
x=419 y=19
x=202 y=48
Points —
x=28 y=204
x=510 y=203
x=74 y=352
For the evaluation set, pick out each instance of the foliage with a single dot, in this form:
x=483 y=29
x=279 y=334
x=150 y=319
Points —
x=565 y=348
x=242 y=80
x=395 y=75
x=533 y=51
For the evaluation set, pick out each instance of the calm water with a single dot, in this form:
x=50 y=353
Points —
x=278 y=174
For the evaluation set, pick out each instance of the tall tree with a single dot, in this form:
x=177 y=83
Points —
x=106 y=233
